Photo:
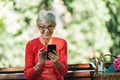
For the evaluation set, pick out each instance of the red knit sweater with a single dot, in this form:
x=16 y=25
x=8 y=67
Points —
x=31 y=58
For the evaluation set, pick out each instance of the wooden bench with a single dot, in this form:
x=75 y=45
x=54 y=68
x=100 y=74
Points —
x=79 y=72
x=75 y=72
x=13 y=73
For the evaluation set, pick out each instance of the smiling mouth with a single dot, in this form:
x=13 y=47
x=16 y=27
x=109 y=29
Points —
x=47 y=34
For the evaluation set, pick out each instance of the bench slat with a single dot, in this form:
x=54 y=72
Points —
x=75 y=72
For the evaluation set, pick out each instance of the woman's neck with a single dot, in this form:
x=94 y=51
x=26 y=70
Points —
x=45 y=41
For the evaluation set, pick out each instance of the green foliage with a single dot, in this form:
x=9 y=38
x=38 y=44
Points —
x=17 y=18
x=91 y=28
x=2 y=25
x=87 y=32
x=113 y=25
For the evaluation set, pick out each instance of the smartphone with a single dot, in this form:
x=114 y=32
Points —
x=50 y=48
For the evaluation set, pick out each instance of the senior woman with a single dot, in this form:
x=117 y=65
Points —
x=37 y=66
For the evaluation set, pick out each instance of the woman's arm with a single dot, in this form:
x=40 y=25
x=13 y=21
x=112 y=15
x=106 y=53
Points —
x=31 y=70
x=60 y=58
x=61 y=65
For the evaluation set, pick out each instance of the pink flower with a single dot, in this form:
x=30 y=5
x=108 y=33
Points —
x=116 y=63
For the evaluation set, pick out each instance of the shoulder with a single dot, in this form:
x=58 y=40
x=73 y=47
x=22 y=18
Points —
x=33 y=41
x=59 y=40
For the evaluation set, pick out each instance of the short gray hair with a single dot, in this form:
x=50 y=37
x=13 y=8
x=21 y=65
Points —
x=46 y=16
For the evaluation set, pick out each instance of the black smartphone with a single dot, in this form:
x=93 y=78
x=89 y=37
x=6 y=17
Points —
x=50 y=48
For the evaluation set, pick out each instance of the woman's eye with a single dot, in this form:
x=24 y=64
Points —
x=50 y=26
x=40 y=26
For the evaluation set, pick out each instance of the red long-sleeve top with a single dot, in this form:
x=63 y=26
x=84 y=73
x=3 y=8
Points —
x=31 y=58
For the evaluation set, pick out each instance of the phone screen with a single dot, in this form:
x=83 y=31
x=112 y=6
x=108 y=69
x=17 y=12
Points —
x=50 y=48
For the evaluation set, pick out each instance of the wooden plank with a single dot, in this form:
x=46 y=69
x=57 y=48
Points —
x=70 y=74
x=79 y=66
x=75 y=72
x=70 y=67
x=79 y=73
x=12 y=70
x=14 y=76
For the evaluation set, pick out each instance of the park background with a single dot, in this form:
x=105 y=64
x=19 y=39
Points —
x=91 y=28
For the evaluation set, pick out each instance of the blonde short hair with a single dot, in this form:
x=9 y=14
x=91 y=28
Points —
x=46 y=16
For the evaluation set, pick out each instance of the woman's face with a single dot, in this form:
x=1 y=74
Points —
x=46 y=29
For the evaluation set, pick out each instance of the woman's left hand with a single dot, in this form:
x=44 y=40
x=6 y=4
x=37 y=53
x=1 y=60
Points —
x=54 y=56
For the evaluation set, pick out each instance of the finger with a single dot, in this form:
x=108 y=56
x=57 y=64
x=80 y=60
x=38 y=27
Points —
x=45 y=53
x=42 y=49
x=53 y=56
x=53 y=59
x=55 y=52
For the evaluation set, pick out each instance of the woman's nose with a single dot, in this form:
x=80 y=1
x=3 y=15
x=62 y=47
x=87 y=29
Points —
x=46 y=30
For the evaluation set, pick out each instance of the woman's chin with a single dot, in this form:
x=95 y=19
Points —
x=47 y=36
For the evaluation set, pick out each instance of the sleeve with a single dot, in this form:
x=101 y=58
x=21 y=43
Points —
x=63 y=59
x=29 y=71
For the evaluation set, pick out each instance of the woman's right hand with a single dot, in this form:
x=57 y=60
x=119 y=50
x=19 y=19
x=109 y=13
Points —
x=41 y=56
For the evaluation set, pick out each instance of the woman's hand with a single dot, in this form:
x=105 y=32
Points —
x=54 y=57
x=41 y=56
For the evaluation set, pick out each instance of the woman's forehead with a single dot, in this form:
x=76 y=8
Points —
x=46 y=23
